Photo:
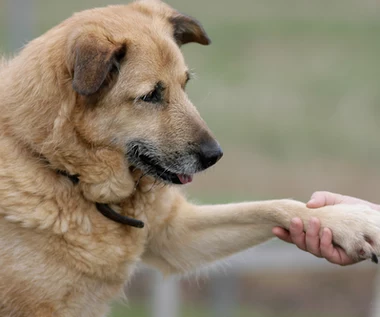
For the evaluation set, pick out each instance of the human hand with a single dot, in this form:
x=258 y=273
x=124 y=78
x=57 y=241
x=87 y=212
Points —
x=310 y=241
x=323 y=198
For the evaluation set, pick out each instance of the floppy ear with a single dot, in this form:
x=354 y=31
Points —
x=188 y=30
x=93 y=62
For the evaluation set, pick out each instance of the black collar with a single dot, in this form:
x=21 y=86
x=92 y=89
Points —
x=106 y=210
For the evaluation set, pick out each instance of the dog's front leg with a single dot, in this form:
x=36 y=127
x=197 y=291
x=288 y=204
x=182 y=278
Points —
x=200 y=234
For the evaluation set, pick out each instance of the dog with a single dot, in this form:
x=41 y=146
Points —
x=97 y=133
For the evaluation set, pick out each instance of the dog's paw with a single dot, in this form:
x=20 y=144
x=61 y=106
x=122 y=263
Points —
x=356 y=228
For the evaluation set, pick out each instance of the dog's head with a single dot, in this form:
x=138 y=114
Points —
x=130 y=77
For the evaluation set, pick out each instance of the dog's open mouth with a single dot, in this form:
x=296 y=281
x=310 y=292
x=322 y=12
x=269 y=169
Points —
x=158 y=171
x=151 y=167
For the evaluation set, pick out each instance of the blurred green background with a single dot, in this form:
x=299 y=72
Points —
x=291 y=90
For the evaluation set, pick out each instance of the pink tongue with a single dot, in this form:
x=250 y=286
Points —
x=184 y=179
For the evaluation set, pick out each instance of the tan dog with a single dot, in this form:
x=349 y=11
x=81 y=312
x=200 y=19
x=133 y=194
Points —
x=99 y=101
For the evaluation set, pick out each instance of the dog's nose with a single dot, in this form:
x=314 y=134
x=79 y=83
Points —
x=210 y=153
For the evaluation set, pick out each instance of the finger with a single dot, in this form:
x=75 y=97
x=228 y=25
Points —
x=323 y=198
x=331 y=253
x=282 y=234
x=317 y=200
x=312 y=237
x=296 y=233
x=327 y=248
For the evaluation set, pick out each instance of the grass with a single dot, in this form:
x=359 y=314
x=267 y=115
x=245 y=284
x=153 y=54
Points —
x=318 y=80
x=141 y=310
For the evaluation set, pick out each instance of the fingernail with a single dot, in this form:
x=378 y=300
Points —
x=311 y=201
x=293 y=223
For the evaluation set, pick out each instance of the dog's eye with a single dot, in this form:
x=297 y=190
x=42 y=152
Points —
x=155 y=96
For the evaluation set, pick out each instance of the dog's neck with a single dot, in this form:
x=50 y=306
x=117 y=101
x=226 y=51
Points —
x=105 y=209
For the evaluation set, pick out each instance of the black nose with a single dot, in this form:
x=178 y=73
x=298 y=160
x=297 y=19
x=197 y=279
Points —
x=210 y=153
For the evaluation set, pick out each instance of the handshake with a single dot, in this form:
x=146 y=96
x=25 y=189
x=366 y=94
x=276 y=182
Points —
x=318 y=243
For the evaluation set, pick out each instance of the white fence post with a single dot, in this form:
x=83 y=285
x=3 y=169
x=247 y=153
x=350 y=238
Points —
x=166 y=296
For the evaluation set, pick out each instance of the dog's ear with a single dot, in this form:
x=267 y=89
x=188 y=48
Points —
x=94 y=59
x=188 y=30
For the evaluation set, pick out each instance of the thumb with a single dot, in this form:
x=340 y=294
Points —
x=320 y=199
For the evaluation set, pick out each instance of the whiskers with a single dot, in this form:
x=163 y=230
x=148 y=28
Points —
x=139 y=179
x=157 y=182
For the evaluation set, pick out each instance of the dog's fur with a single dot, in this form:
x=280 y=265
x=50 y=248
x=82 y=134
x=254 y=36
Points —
x=102 y=96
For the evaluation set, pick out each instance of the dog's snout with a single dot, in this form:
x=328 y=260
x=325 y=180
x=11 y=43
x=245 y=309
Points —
x=210 y=153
